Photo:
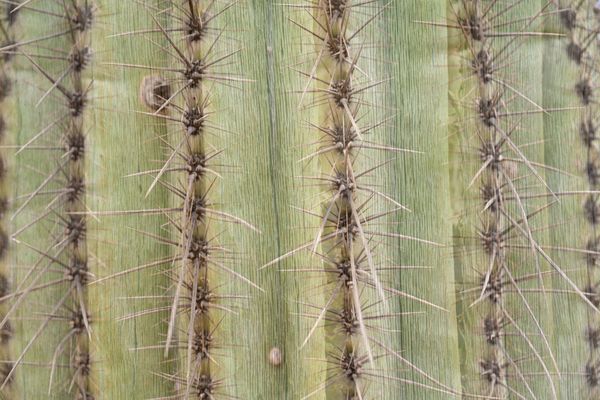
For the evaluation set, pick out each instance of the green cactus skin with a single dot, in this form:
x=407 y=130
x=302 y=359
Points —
x=397 y=373
x=123 y=350
x=415 y=59
x=58 y=365
x=569 y=82
x=264 y=342
x=35 y=314
x=269 y=137
x=507 y=332
x=6 y=123
x=565 y=151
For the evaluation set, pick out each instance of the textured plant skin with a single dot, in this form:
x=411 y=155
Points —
x=6 y=332
x=120 y=348
x=351 y=235
x=243 y=202
x=537 y=315
x=56 y=365
x=30 y=313
x=413 y=58
x=565 y=151
x=505 y=327
x=65 y=260
x=577 y=239
x=201 y=299
x=269 y=139
x=347 y=347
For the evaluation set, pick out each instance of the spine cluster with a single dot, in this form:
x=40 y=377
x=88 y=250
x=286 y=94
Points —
x=492 y=185
x=80 y=15
x=199 y=282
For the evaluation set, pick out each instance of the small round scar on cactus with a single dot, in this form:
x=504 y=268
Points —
x=275 y=356
x=154 y=92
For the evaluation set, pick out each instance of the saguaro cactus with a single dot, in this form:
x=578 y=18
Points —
x=318 y=199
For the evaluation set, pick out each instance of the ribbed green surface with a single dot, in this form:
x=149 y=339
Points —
x=264 y=135
x=518 y=73
x=30 y=169
x=122 y=141
x=269 y=137
x=525 y=72
x=414 y=57
x=564 y=150
x=463 y=165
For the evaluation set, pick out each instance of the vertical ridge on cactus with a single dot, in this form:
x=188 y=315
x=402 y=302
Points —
x=576 y=240
x=63 y=266
x=508 y=283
